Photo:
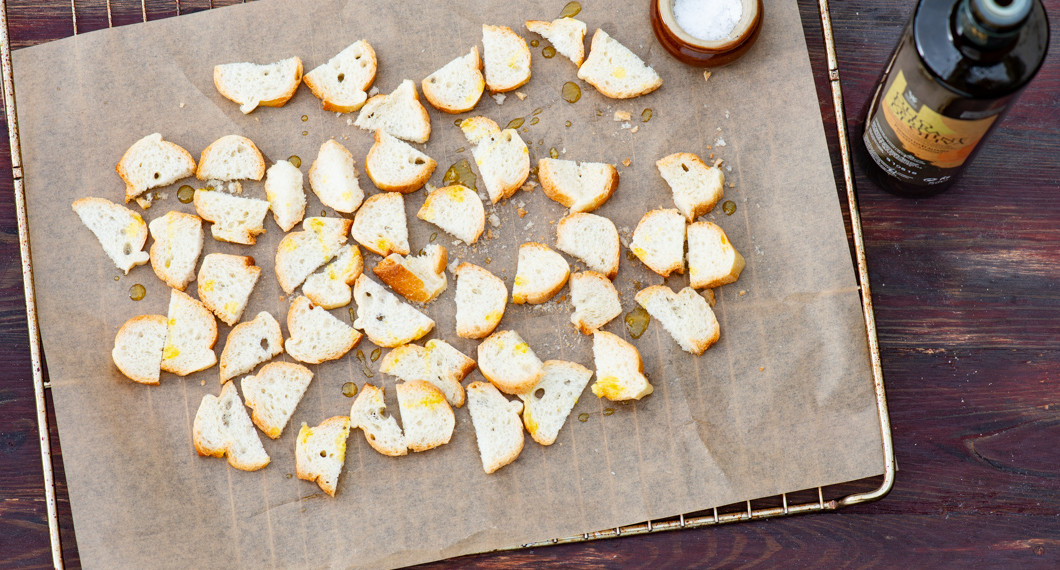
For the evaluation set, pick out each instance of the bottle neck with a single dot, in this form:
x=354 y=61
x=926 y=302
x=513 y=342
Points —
x=987 y=29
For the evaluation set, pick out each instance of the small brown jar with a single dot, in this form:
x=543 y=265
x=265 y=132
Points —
x=703 y=53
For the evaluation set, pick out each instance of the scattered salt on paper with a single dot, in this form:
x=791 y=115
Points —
x=719 y=142
x=499 y=98
x=708 y=20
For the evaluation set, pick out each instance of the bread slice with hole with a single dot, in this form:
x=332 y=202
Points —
x=696 y=187
x=380 y=428
x=273 y=394
x=320 y=452
x=175 y=252
x=253 y=85
x=333 y=178
x=419 y=278
x=151 y=163
x=457 y=86
x=592 y=239
x=480 y=301
x=231 y=157
x=539 y=275
x=457 y=210
x=331 y=288
x=686 y=315
x=582 y=187
x=380 y=224
x=595 y=301
x=659 y=241
x=283 y=190
x=426 y=417
x=342 y=83
x=502 y=157
x=384 y=317
x=316 y=335
x=507 y=361
x=395 y=166
x=615 y=71
x=712 y=260
x=235 y=219
x=301 y=253
x=249 y=344
x=619 y=370
x=121 y=231
x=507 y=59
x=191 y=333
x=225 y=283
x=547 y=405
x=400 y=114
x=567 y=35
x=498 y=429
x=222 y=428
x=438 y=363
x=138 y=348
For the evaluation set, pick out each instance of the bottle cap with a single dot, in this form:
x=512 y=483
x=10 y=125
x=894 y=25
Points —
x=1002 y=14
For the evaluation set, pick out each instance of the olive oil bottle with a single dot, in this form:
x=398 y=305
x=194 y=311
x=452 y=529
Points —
x=959 y=66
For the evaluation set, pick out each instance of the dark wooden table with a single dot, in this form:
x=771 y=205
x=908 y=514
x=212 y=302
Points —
x=967 y=293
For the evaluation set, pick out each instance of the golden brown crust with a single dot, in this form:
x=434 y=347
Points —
x=538 y=296
x=405 y=282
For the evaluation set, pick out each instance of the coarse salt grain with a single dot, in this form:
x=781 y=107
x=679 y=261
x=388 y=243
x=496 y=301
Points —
x=708 y=20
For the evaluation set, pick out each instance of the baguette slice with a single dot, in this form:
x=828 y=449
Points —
x=539 y=275
x=480 y=301
x=274 y=393
x=592 y=239
x=712 y=260
x=231 y=157
x=121 y=231
x=321 y=452
x=582 y=187
x=502 y=157
x=235 y=219
x=380 y=224
x=395 y=166
x=595 y=301
x=498 y=431
x=191 y=333
x=418 y=278
x=619 y=370
x=252 y=85
x=138 y=348
x=456 y=209
x=316 y=335
x=567 y=35
x=696 y=186
x=222 y=428
x=616 y=71
x=342 y=83
x=152 y=162
x=457 y=86
x=438 y=363
x=225 y=283
x=400 y=114
x=384 y=317
x=381 y=430
x=426 y=417
x=685 y=315
x=178 y=243
x=330 y=288
x=659 y=241
x=283 y=190
x=333 y=178
x=546 y=407
x=301 y=253
x=507 y=59
x=249 y=344
x=509 y=363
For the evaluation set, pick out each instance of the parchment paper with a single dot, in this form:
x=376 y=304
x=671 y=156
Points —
x=783 y=402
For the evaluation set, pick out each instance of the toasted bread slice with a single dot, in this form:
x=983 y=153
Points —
x=498 y=431
x=456 y=209
x=592 y=239
x=438 y=363
x=508 y=362
x=480 y=301
x=178 y=243
x=235 y=219
x=400 y=114
x=502 y=157
x=380 y=224
x=696 y=186
x=274 y=393
x=567 y=35
x=616 y=71
x=395 y=166
x=540 y=274
x=507 y=59
x=152 y=162
x=225 y=283
x=457 y=86
x=316 y=335
x=546 y=407
x=321 y=452
x=222 y=428
x=712 y=260
x=191 y=332
x=384 y=317
x=333 y=178
x=418 y=278
x=659 y=241
x=342 y=83
x=426 y=417
x=595 y=301
x=138 y=349
x=253 y=85
x=283 y=190
x=381 y=429
x=582 y=187
x=302 y=253
x=619 y=370
x=121 y=231
x=249 y=344
x=331 y=288
x=231 y=157
x=685 y=315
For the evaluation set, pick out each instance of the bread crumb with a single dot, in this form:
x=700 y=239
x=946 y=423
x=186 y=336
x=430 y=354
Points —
x=499 y=98
x=529 y=186
x=623 y=116
x=626 y=162
x=708 y=294
x=202 y=382
x=706 y=76
x=520 y=95
x=489 y=234
x=719 y=142
x=761 y=368
x=373 y=91
x=521 y=212
x=731 y=184
x=494 y=220
x=529 y=225
x=349 y=121
x=717 y=163
x=635 y=128
x=742 y=292
x=182 y=105
x=625 y=125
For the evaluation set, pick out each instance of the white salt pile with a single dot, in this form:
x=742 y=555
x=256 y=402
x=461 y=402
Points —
x=708 y=20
